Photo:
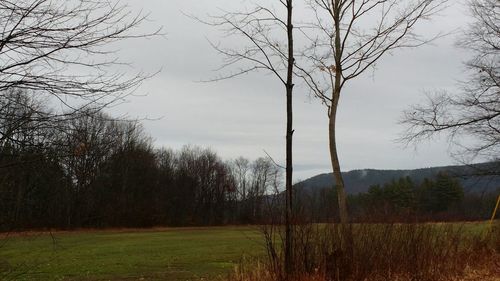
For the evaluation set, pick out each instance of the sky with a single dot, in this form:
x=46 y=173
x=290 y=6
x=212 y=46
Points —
x=246 y=116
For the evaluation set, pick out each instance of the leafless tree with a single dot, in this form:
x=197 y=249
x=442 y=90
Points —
x=474 y=112
x=240 y=168
x=23 y=119
x=347 y=38
x=84 y=146
x=62 y=50
x=268 y=30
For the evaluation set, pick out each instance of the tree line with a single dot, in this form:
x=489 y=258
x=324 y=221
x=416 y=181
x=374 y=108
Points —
x=93 y=171
x=441 y=197
x=90 y=170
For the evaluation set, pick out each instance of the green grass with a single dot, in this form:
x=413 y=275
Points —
x=162 y=254
x=171 y=254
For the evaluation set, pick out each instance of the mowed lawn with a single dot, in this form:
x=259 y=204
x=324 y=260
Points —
x=166 y=254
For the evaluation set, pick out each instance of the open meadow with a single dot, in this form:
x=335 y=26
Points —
x=133 y=254
x=166 y=254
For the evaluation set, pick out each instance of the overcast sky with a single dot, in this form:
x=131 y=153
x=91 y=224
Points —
x=246 y=116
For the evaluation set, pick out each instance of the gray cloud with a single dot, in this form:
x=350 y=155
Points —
x=246 y=115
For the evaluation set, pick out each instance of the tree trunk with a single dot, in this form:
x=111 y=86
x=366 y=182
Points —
x=339 y=181
x=289 y=136
x=346 y=231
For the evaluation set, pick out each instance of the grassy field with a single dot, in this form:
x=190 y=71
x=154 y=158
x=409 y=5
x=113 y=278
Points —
x=167 y=254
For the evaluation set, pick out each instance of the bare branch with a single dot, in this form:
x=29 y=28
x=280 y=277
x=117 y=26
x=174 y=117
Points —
x=474 y=112
x=60 y=48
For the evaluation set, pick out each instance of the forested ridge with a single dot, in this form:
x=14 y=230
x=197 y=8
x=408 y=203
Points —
x=475 y=178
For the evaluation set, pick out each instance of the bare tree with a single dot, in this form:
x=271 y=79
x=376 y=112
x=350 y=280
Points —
x=240 y=169
x=87 y=142
x=269 y=34
x=474 y=112
x=347 y=38
x=23 y=120
x=61 y=49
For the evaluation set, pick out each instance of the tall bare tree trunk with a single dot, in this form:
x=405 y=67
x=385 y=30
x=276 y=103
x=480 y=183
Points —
x=339 y=181
x=337 y=87
x=289 y=137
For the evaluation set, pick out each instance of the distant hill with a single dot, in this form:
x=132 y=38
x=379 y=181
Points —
x=472 y=178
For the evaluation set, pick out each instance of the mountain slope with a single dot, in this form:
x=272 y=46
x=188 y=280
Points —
x=472 y=178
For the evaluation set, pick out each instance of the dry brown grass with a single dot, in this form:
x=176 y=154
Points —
x=261 y=273
x=396 y=252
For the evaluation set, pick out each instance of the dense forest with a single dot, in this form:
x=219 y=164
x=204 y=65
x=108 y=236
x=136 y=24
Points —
x=89 y=170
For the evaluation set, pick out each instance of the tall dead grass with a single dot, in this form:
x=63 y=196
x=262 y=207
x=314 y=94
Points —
x=379 y=252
